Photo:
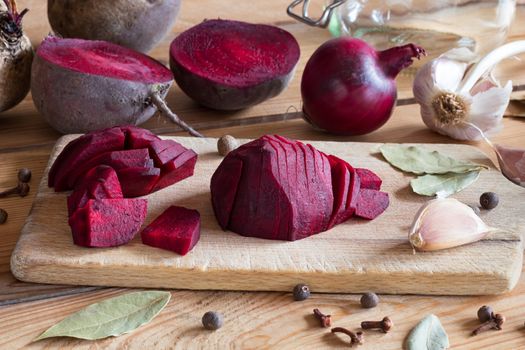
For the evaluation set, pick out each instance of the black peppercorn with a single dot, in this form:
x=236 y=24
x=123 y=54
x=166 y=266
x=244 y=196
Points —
x=3 y=216
x=369 y=300
x=212 y=320
x=301 y=292
x=489 y=200
x=485 y=313
x=24 y=175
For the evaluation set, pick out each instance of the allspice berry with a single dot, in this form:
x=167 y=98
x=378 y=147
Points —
x=24 y=175
x=3 y=216
x=485 y=313
x=369 y=300
x=489 y=200
x=212 y=320
x=226 y=144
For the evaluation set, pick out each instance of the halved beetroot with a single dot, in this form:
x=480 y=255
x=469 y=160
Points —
x=99 y=183
x=138 y=137
x=107 y=222
x=81 y=150
x=162 y=151
x=177 y=229
x=369 y=179
x=133 y=158
x=138 y=182
x=230 y=65
x=177 y=170
x=371 y=203
x=83 y=85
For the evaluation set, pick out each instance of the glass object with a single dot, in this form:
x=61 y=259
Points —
x=436 y=25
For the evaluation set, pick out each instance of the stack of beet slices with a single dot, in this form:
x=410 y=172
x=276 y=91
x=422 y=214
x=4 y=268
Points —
x=108 y=168
x=276 y=188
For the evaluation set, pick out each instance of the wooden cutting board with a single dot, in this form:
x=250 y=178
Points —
x=353 y=257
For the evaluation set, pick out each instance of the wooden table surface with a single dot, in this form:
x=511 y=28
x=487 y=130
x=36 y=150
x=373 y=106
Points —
x=253 y=320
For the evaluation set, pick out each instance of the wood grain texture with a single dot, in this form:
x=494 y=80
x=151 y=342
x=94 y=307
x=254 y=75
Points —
x=354 y=257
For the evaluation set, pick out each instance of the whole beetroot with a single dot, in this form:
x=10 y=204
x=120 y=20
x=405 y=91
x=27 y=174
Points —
x=137 y=24
x=16 y=55
x=84 y=85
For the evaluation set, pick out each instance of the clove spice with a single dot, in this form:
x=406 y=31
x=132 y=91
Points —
x=356 y=338
x=385 y=325
x=495 y=322
x=22 y=189
x=325 y=320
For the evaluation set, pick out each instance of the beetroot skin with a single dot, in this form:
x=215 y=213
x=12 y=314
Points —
x=229 y=65
x=80 y=86
x=137 y=24
x=108 y=222
x=177 y=229
x=276 y=188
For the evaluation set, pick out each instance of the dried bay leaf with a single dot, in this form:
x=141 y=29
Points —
x=420 y=161
x=111 y=317
x=428 y=334
x=443 y=185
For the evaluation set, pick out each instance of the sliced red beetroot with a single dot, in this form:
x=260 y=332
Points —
x=82 y=149
x=274 y=199
x=138 y=182
x=138 y=137
x=177 y=229
x=371 y=203
x=99 y=183
x=133 y=158
x=163 y=151
x=225 y=183
x=231 y=65
x=341 y=185
x=177 y=170
x=354 y=190
x=107 y=222
x=369 y=179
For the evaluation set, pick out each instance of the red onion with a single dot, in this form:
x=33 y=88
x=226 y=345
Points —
x=349 y=88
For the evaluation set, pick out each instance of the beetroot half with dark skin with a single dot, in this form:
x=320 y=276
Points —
x=108 y=222
x=177 y=229
x=230 y=65
x=276 y=188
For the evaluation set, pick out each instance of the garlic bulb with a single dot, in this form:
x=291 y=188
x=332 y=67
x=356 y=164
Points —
x=445 y=223
x=455 y=94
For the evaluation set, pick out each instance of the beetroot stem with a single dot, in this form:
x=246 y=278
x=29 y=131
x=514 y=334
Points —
x=163 y=108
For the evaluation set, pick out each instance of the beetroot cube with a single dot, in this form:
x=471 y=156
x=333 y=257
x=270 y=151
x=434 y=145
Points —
x=177 y=229
x=99 y=183
x=107 y=222
x=138 y=182
x=369 y=179
x=163 y=151
x=371 y=203
x=138 y=137
x=177 y=170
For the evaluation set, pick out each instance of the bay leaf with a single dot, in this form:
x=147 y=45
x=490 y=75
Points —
x=417 y=160
x=443 y=185
x=111 y=317
x=428 y=334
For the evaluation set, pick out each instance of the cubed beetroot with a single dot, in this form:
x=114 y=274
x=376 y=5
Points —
x=371 y=203
x=177 y=170
x=99 y=183
x=177 y=229
x=163 y=151
x=83 y=149
x=107 y=222
x=369 y=179
x=138 y=137
x=133 y=158
x=136 y=182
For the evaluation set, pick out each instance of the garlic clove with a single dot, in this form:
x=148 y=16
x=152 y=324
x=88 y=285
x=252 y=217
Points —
x=512 y=163
x=445 y=223
x=488 y=107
